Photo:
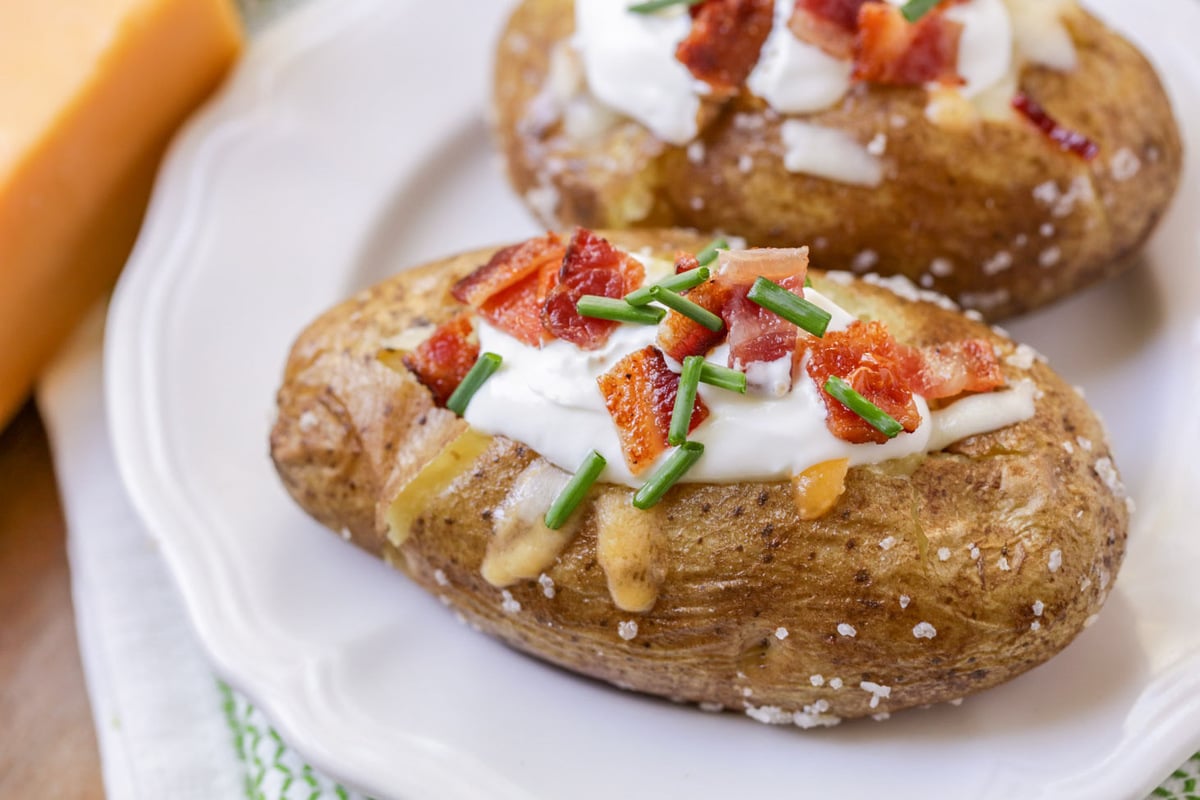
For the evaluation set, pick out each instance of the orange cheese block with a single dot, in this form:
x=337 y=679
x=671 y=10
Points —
x=90 y=93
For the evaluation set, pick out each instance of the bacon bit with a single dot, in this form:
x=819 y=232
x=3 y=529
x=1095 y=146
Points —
x=685 y=262
x=867 y=357
x=444 y=359
x=892 y=50
x=510 y=289
x=756 y=334
x=1066 y=139
x=831 y=25
x=819 y=487
x=725 y=41
x=948 y=370
x=680 y=336
x=591 y=266
x=639 y=392
x=741 y=267
x=507 y=268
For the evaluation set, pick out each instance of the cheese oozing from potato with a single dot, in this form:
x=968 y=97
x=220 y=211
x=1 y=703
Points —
x=548 y=399
x=630 y=65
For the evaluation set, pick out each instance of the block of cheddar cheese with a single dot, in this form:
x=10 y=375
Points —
x=91 y=92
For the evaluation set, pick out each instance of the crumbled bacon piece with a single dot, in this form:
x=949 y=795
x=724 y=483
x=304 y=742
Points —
x=772 y=263
x=725 y=41
x=680 y=336
x=591 y=266
x=1067 y=139
x=639 y=392
x=507 y=268
x=510 y=289
x=831 y=25
x=444 y=359
x=869 y=359
x=948 y=370
x=892 y=50
x=756 y=334
x=685 y=262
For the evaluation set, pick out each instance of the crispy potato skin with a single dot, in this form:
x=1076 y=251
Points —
x=962 y=194
x=740 y=563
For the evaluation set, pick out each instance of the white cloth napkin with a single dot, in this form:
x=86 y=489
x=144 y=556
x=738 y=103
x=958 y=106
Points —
x=167 y=729
x=155 y=702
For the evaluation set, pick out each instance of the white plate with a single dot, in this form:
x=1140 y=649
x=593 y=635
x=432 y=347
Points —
x=350 y=144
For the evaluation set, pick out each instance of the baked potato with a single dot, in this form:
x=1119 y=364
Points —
x=938 y=178
x=929 y=577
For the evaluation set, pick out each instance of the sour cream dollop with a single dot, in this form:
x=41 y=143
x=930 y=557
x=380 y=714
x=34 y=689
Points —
x=629 y=60
x=548 y=399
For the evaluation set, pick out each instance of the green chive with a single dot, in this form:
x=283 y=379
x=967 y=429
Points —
x=723 y=377
x=807 y=282
x=685 y=400
x=618 y=310
x=478 y=374
x=687 y=308
x=676 y=283
x=658 y=5
x=666 y=476
x=575 y=490
x=709 y=254
x=913 y=10
x=874 y=416
x=794 y=309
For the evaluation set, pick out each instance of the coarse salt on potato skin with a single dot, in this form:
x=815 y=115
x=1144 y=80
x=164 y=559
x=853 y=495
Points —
x=992 y=214
x=1024 y=519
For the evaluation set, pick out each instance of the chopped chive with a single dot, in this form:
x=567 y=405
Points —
x=618 y=310
x=913 y=10
x=794 y=309
x=676 y=283
x=723 y=377
x=687 y=308
x=651 y=6
x=685 y=400
x=709 y=254
x=874 y=416
x=666 y=476
x=807 y=282
x=484 y=366
x=575 y=490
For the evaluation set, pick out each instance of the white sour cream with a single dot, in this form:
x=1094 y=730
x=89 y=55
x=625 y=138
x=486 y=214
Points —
x=986 y=47
x=828 y=153
x=793 y=76
x=630 y=63
x=548 y=399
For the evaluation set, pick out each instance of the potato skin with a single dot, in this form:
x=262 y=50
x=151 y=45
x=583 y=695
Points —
x=740 y=563
x=959 y=196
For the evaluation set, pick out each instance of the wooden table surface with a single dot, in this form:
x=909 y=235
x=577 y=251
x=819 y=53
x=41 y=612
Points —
x=47 y=744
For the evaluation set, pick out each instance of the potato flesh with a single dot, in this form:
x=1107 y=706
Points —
x=435 y=479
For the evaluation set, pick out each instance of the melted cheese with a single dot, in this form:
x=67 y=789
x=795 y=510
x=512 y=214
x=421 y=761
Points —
x=522 y=547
